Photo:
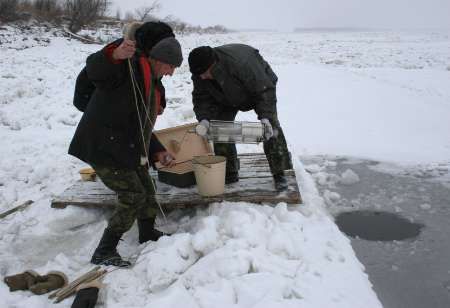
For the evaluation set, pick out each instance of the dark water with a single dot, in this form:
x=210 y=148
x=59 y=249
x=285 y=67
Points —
x=377 y=226
x=413 y=203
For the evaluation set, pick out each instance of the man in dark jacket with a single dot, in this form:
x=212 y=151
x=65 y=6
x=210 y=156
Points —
x=115 y=135
x=232 y=78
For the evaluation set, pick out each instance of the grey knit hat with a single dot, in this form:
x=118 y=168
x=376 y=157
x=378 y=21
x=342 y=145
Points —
x=168 y=51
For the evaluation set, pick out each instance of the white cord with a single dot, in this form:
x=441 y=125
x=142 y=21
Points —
x=142 y=130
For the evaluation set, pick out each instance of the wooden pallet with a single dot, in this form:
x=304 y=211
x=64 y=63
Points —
x=255 y=185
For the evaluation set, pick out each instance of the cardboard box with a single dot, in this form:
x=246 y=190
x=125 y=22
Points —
x=183 y=143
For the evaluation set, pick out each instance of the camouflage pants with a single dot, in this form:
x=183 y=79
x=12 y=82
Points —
x=275 y=148
x=135 y=192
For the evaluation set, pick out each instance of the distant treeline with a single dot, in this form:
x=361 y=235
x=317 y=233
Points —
x=76 y=14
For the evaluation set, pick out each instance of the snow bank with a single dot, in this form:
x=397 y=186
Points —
x=241 y=255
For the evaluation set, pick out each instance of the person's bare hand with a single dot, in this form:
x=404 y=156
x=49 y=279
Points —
x=125 y=50
x=165 y=158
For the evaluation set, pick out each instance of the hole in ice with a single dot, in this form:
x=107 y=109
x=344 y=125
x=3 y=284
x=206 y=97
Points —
x=377 y=226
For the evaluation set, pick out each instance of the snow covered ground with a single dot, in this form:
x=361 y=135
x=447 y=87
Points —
x=378 y=95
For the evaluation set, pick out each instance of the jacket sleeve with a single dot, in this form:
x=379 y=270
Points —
x=155 y=145
x=83 y=91
x=104 y=72
x=260 y=81
x=203 y=101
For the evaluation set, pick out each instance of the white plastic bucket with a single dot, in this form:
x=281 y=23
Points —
x=209 y=173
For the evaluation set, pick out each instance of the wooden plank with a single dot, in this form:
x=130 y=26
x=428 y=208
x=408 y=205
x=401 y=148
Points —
x=255 y=185
x=251 y=155
x=16 y=209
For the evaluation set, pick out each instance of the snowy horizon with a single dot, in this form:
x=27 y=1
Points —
x=285 y=15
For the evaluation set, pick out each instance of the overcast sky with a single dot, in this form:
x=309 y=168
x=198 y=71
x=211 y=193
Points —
x=289 y=14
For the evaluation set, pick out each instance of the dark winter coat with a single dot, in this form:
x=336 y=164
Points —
x=84 y=88
x=109 y=132
x=243 y=80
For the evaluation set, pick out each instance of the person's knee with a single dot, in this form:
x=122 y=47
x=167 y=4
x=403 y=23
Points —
x=126 y=211
x=132 y=198
x=121 y=223
x=147 y=212
x=152 y=201
x=148 y=208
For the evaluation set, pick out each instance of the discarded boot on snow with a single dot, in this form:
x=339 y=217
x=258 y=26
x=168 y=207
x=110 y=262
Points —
x=30 y=280
x=106 y=253
x=87 y=294
x=85 y=298
x=22 y=281
x=147 y=231
x=52 y=281
x=281 y=183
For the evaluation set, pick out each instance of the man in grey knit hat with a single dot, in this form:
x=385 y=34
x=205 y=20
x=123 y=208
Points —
x=167 y=51
x=232 y=78
x=115 y=134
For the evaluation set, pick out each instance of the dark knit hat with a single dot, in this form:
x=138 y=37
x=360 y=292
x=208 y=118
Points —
x=200 y=59
x=168 y=51
x=148 y=34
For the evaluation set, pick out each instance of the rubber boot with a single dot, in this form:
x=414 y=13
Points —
x=106 y=253
x=52 y=281
x=147 y=231
x=232 y=167
x=87 y=294
x=231 y=178
x=22 y=281
x=281 y=183
x=86 y=298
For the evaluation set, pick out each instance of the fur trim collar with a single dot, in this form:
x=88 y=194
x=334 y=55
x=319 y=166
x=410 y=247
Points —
x=129 y=30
